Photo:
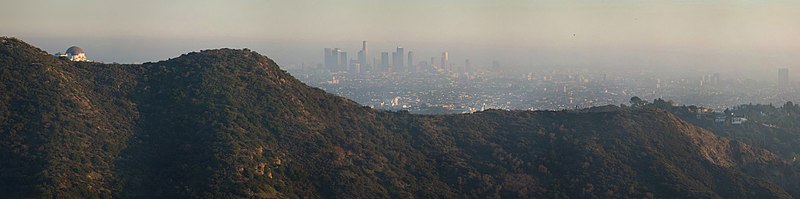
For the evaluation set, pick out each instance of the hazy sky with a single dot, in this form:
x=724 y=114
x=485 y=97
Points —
x=747 y=36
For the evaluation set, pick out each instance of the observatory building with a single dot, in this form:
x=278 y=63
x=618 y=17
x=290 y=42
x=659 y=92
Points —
x=74 y=53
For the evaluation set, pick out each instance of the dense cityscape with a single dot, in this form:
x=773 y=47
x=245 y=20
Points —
x=440 y=86
x=400 y=99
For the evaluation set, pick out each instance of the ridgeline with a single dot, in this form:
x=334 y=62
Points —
x=231 y=124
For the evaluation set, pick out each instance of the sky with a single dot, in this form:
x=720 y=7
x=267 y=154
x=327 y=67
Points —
x=748 y=37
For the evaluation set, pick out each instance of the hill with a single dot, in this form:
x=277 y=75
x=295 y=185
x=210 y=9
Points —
x=230 y=123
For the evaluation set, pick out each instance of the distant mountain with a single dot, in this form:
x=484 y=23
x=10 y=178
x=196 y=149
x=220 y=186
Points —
x=231 y=124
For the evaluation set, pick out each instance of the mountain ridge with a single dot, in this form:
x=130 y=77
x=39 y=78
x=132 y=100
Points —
x=231 y=123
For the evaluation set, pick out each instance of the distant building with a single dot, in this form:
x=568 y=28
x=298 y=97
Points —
x=715 y=78
x=331 y=58
x=720 y=118
x=343 y=61
x=783 y=77
x=658 y=83
x=394 y=60
x=335 y=59
x=363 y=55
x=445 y=60
x=327 y=57
x=410 y=60
x=710 y=79
x=384 y=60
x=355 y=67
x=738 y=120
x=74 y=53
x=397 y=59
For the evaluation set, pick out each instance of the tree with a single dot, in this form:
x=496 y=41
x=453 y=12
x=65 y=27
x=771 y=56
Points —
x=789 y=106
x=660 y=103
x=637 y=102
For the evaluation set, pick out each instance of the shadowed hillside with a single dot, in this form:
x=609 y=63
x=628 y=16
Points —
x=230 y=123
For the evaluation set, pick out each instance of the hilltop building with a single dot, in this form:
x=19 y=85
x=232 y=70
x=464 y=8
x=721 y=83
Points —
x=74 y=53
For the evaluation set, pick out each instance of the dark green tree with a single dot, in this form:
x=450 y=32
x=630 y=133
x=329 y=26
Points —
x=637 y=102
x=662 y=104
x=789 y=106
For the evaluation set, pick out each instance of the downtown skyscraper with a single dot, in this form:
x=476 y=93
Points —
x=332 y=58
x=445 y=61
x=335 y=59
x=384 y=60
x=363 y=56
x=410 y=62
x=342 y=65
x=397 y=59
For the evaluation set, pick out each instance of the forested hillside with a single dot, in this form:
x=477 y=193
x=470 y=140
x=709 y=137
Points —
x=231 y=124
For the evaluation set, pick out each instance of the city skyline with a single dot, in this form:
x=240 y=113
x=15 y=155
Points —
x=336 y=60
x=400 y=99
x=466 y=89
x=748 y=38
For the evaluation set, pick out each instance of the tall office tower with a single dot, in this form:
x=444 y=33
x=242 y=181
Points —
x=360 y=57
x=355 y=67
x=394 y=67
x=397 y=59
x=410 y=61
x=343 y=61
x=783 y=77
x=384 y=60
x=335 y=63
x=363 y=55
x=433 y=61
x=328 y=57
x=445 y=61
x=364 y=48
